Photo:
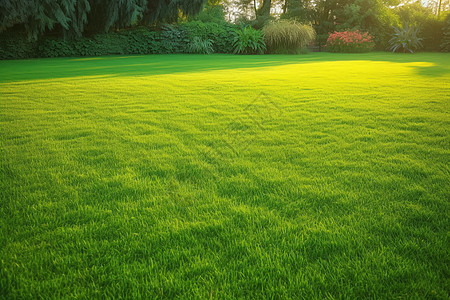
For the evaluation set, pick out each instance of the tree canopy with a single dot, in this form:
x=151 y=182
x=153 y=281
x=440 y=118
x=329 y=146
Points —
x=73 y=17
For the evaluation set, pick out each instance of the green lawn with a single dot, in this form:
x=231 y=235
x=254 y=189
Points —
x=262 y=177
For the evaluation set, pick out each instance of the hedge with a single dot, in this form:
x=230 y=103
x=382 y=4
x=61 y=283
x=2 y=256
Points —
x=140 y=40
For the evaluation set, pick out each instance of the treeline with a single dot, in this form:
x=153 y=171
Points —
x=74 y=18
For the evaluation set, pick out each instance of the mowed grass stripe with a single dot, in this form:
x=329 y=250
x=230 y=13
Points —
x=190 y=176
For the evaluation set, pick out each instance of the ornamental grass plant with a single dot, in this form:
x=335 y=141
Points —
x=287 y=36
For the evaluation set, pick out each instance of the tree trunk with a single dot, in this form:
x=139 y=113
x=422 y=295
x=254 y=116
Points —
x=265 y=8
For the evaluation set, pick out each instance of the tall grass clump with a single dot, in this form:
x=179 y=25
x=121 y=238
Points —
x=200 y=46
x=287 y=36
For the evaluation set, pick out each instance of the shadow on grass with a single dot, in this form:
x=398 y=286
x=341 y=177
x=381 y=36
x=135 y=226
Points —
x=148 y=65
x=433 y=71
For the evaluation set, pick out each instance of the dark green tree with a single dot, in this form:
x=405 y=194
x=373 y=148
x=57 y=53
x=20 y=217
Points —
x=445 y=45
x=38 y=16
x=170 y=10
x=324 y=16
x=299 y=10
x=78 y=17
x=107 y=14
x=373 y=16
x=75 y=17
x=14 y=12
x=212 y=12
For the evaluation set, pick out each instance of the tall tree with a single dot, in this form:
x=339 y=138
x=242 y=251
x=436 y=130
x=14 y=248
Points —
x=324 y=16
x=299 y=10
x=113 y=13
x=78 y=17
x=38 y=16
x=170 y=10
x=439 y=6
x=74 y=17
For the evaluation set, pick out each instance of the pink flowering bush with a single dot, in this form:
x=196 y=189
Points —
x=349 y=41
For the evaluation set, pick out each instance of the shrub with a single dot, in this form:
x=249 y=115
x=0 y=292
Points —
x=321 y=41
x=98 y=45
x=405 y=39
x=55 y=48
x=445 y=45
x=197 y=45
x=287 y=36
x=16 y=46
x=136 y=41
x=90 y=46
x=349 y=41
x=431 y=32
x=174 y=39
x=139 y=40
x=249 y=41
x=142 y=41
x=222 y=35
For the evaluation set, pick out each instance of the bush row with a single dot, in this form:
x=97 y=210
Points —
x=205 y=37
x=141 y=40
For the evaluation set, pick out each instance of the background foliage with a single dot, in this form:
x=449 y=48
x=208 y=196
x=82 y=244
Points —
x=48 y=28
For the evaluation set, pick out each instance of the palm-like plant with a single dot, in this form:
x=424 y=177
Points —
x=249 y=41
x=405 y=39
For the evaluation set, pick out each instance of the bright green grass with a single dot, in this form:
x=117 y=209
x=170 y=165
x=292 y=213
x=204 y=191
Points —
x=314 y=176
